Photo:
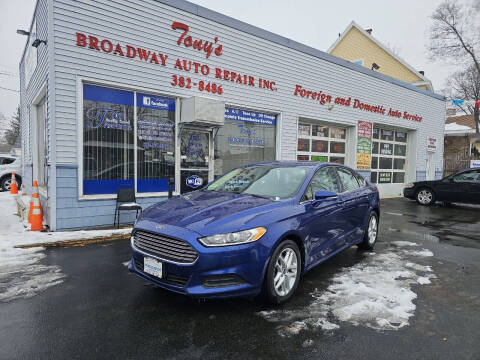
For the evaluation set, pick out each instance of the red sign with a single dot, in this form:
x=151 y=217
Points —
x=365 y=129
x=200 y=45
x=323 y=99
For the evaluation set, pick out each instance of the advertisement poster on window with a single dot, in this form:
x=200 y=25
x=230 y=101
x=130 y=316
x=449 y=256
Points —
x=247 y=136
x=384 y=177
x=364 y=145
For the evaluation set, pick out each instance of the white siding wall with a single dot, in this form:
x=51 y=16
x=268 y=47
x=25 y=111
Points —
x=147 y=24
x=27 y=96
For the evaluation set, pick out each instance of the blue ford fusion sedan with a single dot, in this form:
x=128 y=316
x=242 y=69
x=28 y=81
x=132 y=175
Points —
x=255 y=230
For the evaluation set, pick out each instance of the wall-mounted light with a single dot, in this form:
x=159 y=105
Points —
x=375 y=66
x=37 y=43
x=23 y=32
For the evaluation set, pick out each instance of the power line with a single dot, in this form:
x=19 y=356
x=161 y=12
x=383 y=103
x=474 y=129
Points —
x=3 y=88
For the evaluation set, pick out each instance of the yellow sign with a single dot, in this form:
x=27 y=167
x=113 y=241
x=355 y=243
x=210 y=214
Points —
x=363 y=161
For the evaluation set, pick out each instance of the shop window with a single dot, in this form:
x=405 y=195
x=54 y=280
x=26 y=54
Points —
x=303 y=145
x=319 y=146
x=246 y=137
x=109 y=143
x=386 y=134
x=385 y=163
x=321 y=143
x=390 y=163
x=155 y=142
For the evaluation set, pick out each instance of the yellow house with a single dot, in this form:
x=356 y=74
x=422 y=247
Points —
x=358 y=46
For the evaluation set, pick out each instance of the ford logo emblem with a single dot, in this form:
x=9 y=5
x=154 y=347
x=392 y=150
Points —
x=194 y=181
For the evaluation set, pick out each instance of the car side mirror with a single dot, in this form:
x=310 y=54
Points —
x=325 y=194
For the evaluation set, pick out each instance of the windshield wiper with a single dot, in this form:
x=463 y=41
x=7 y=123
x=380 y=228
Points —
x=260 y=196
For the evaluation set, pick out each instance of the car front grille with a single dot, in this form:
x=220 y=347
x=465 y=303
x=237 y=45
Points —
x=171 y=279
x=167 y=248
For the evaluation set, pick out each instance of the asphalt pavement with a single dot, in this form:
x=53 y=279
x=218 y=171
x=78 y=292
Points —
x=101 y=311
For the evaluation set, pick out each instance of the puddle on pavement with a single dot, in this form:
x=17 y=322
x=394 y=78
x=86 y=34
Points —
x=446 y=236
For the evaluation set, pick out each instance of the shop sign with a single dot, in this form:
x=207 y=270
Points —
x=324 y=98
x=384 y=177
x=210 y=48
x=475 y=163
x=364 y=145
x=431 y=143
x=194 y=181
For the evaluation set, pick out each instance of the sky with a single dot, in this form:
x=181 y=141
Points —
x=402 y=25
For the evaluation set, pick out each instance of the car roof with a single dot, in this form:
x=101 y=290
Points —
x=286 y=163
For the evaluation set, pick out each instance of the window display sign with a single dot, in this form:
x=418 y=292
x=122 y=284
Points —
x=250 y=116
x=155 y=142
x=384 y=177
x=364 y=144
x=247 y=136
x=386 y=149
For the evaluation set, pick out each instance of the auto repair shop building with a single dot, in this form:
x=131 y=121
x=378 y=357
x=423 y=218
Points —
x=132 y=93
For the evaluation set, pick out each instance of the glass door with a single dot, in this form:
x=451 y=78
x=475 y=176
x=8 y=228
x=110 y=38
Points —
x=195 y=164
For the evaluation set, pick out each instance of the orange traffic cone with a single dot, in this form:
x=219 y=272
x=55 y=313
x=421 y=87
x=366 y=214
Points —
x=13 y=185
x=24 y=192
x=36 y=217
x=34 y=195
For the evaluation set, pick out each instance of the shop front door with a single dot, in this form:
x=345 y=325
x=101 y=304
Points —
x=195 y=160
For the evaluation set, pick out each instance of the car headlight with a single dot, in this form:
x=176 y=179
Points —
x=410 y=185
x=233 y=238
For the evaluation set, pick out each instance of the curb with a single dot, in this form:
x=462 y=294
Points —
x=77 y=242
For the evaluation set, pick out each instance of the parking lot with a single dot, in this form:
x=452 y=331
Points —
x=417 y=296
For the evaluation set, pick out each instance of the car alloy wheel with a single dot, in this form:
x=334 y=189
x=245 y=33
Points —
x=372 y=230
x=425 y=197
x=285 y=273
x=6 y=184
x=370 y=233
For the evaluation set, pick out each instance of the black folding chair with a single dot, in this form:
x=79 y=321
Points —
x=125 y=201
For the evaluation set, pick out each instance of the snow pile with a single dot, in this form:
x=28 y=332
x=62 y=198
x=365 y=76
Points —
x=376 y=293
x=12 y=231
x=21 y=273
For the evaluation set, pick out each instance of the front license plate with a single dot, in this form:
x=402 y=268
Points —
x=153 y=267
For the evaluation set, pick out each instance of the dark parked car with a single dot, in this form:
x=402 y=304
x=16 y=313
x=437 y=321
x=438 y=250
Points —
x=462 y=187
x=257 y=228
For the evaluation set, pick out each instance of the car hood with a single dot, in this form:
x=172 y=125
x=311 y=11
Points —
x=210 y=213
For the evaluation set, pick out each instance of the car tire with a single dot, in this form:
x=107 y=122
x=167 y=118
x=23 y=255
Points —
x=280 y=280
x=425 y=196
x=371 y=233
x=6 y=180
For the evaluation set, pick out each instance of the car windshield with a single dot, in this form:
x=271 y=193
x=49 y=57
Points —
x=263 y=181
